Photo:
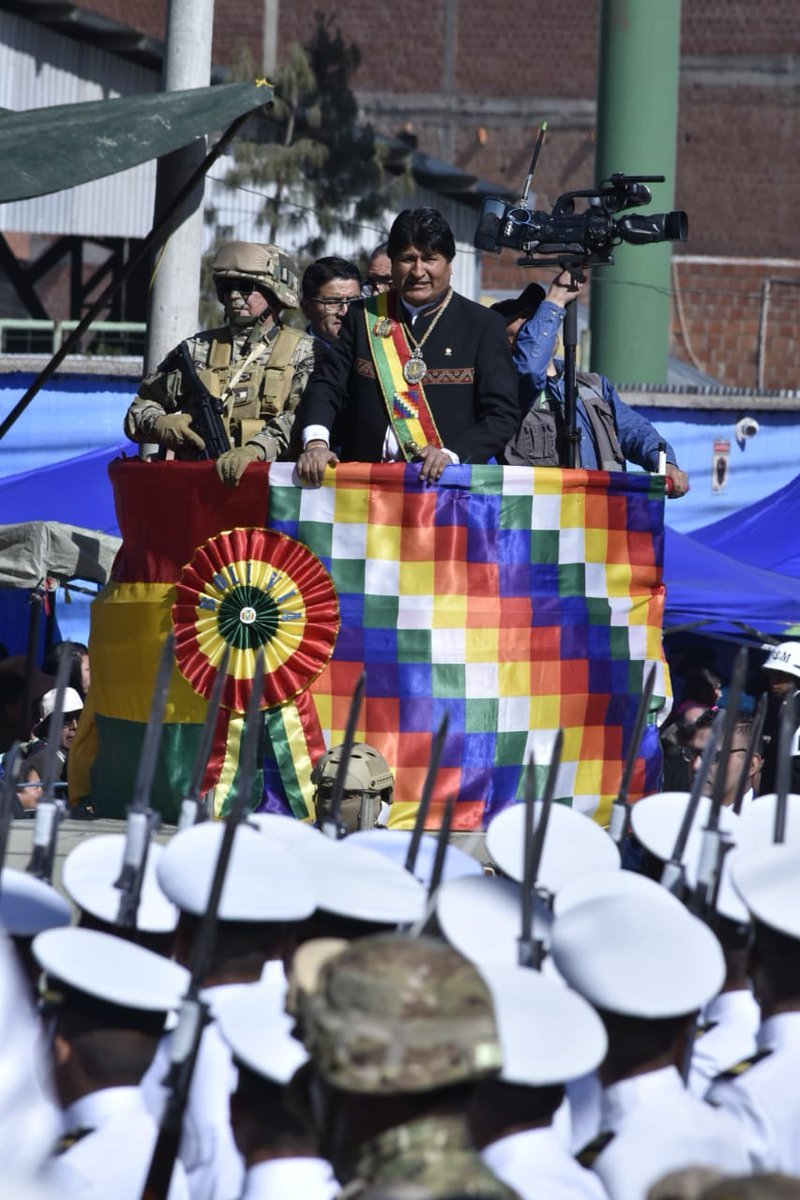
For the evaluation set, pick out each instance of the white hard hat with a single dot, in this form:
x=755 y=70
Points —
x=72 y=704
x=784 y=657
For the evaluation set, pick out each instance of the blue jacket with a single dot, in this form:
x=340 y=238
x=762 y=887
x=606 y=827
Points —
x=533 y=350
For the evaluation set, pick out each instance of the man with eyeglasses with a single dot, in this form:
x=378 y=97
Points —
x=741 y=734
x=330 y=285
x=254 y=364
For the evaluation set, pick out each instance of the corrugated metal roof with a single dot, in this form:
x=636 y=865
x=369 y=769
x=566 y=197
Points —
x=39 y=68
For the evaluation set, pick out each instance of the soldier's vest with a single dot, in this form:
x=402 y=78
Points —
x=253 y=391
x=539 y=440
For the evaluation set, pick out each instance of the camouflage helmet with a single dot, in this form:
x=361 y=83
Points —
x=393 y=1013
x=367 y=775
x=267 y=265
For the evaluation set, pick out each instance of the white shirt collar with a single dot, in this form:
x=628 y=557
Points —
x=312 y=1178
x=94 y=1110
x=781 y=1032
x=622 y=1098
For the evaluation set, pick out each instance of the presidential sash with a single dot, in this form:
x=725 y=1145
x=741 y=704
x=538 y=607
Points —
x=406 y=403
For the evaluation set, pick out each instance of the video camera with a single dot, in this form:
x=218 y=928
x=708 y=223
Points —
x=586 y=238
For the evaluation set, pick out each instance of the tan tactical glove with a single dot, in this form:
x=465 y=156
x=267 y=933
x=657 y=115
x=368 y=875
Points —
x=232 y=465
x=174 y=430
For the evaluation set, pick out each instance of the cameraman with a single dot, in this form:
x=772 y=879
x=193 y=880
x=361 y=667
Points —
x=610 y=431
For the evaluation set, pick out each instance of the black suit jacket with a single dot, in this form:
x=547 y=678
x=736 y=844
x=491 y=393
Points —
x=471 y=385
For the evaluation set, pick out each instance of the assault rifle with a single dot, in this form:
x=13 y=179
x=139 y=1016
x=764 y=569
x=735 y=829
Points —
x=207 y=410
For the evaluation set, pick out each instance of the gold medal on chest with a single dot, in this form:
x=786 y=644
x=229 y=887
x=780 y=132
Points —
x=415 y=369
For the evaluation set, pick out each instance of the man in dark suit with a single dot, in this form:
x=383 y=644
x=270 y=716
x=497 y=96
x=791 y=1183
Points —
x=419 y=373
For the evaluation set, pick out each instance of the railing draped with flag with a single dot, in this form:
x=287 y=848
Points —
x=519 y=601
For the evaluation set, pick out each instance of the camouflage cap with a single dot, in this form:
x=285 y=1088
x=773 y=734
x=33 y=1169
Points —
x=392 y=1013
x=268 y=265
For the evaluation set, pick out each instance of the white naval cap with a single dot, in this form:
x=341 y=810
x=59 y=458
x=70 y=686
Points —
x=394 y=843
x=595 y=885
x=643 y=957
x=252 y=1021
x=90 y=871
x=29 y=906
x=482 y=917
x=768 y=881
x=574 y=843
x=656 y=821
x=282 y=828
x=757 y=822
x=265 y=880
x=110 y=969
x=351 y=881
x=548 y=1033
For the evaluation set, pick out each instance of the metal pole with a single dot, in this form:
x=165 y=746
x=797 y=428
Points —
x=175 y=287
x=637 y=114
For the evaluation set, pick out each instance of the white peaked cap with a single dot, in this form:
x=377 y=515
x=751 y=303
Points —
x=353 y=882
x=91 y=870
x=657 y=819
x=265 y=881
x=574 y=843
x=283 y=828
x=643 y=957
x=482 y=917
x=768 y=881
x=29 y=906
x=111 y=969
x=595 y=885
x=757 y=822
x=548 y=1033
x=394 y=843
x=252 y=1021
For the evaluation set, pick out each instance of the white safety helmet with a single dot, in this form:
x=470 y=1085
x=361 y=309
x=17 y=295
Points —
x=785 y=658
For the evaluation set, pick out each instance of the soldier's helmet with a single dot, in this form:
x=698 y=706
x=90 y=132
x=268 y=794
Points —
x=266 y=265
x=393 y=1013
x=368 y=775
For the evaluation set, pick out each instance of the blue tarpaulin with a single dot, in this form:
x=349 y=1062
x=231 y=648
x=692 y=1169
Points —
x=720 y=595
x=765 y=534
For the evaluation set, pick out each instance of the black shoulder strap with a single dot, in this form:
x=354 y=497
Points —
x=741 y=1068
x=593 y=1149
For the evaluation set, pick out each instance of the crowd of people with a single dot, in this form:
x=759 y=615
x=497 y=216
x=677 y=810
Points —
x=386 y=1015
x=381 y=1014
x=399 y=368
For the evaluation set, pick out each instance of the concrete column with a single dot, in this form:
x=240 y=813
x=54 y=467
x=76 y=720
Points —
x=175 y=287
x=637 y=112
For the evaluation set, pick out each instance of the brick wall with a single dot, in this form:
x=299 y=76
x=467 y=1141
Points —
x=724 y=305
x=738 y=171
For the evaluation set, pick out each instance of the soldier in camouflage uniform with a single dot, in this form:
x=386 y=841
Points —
x=398 y=1028
x=256 y=365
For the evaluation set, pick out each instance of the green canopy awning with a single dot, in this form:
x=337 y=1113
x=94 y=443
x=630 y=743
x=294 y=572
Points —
x=49 y=149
